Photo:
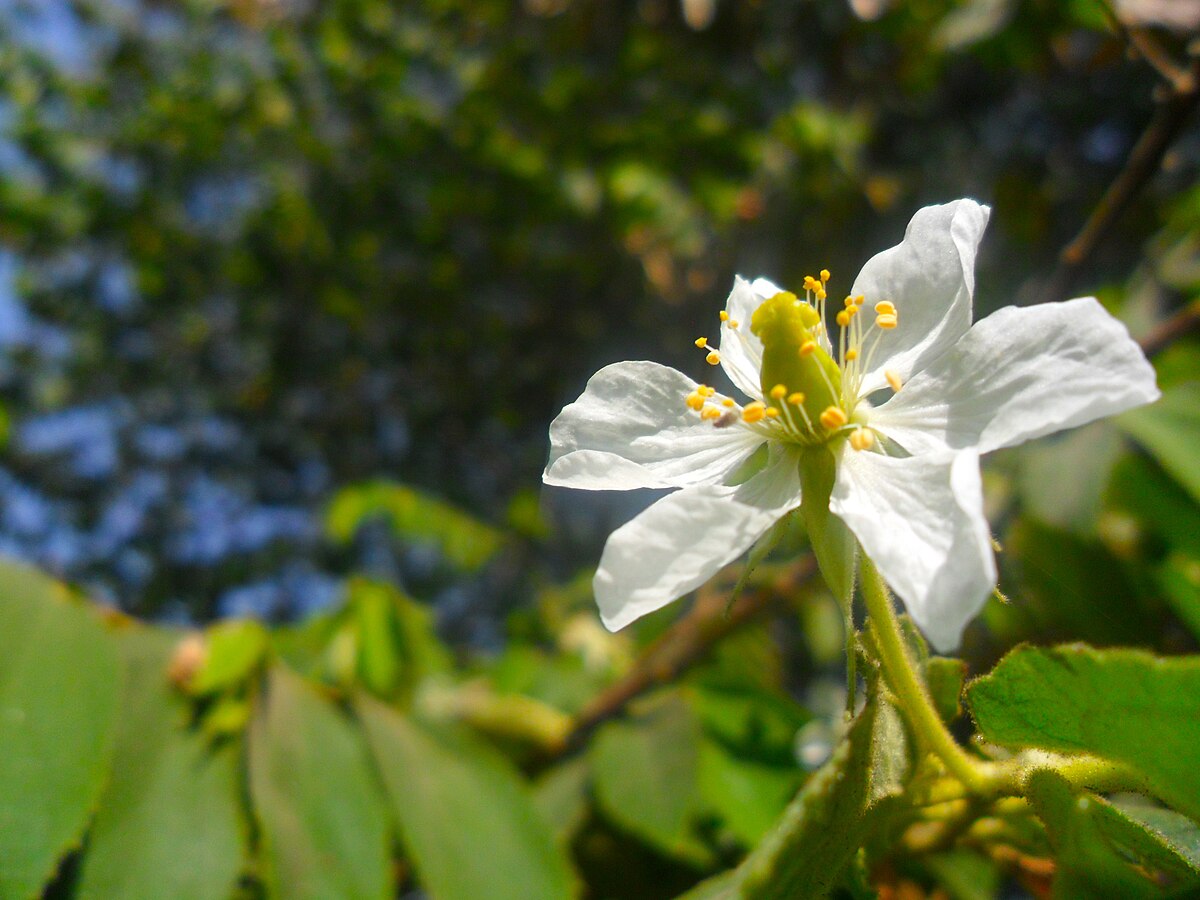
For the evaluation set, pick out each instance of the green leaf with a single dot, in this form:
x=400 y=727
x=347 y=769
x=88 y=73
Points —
x=747 y=794
x=466 y=820
x=1123 y=705
x=646 y=774
x=1170 y=430
x=59 y=682
x=1061 y=479
x=324 y=828
x=170 y=822
x=821 y=831
x=414 y=515
x=561 y=797
x=1177 y=834
x=944 y=677
x=233 y=649
x=1086 y=863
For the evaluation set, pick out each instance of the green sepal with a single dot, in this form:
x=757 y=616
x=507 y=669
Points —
x=832 y=542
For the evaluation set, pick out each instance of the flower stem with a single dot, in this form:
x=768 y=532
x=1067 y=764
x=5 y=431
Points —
x=900 y=673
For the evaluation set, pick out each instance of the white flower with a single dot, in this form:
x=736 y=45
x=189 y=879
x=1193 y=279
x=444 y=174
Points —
x=907 y=478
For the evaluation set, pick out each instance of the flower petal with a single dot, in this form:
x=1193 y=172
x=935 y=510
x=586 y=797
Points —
x=685 y=538
x=1020 y=374
x=741 y=350
x=632 y=429
x=930 y=277
x=920 y=519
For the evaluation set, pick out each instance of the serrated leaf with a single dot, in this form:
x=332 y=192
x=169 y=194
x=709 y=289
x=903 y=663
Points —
x=1124 y=705
x=170 y=822
x=646 y=774
x=59 y=683
x=1178 y=834
x=1086 y=864
x=466 y=820
x=324 y=827
x=1170 y=430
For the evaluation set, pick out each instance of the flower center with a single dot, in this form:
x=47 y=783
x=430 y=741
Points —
x=808 y=397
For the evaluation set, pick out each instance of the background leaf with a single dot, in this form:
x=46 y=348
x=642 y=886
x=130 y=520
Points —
x=324 y=827
x=170 y=823
x=1170 y=430
x=467 y=822
x=59 y=681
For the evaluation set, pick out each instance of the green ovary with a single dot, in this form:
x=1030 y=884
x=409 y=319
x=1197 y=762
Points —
x=785 y=324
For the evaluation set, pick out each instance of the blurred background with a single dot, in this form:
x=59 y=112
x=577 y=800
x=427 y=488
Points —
x=290 y=292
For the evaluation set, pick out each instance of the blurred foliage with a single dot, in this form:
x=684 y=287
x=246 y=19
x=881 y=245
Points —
x=288 y=295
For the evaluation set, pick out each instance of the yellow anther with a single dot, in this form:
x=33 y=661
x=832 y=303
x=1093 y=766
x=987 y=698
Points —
x=885 y=308
x=862 y=439
x=728 y=403
x=695 y=400
x=710 y=412
x=893 y=379
x=778 y=392
x=808 y=348
x=851 y=354
x=713 y=358
x=886 y=321
x=724 y=316
x=754 y=412
x=733 y=323
x=796 y=398
x=860 y=300
x=771 y=412
x=821 y=295
x=824 y=275
x=701 y=342
x=705 y=391
x=810 y=283
x=848 y=302
x=843 y=318
x=833 y=418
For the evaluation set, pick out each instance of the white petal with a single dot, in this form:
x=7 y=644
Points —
x=920 y=519
x=632 y=429
x=930 y=277
x=1020 y=374
x=685 y=538
x=741 y=351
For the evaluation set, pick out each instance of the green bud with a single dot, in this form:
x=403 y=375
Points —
x=793 y=357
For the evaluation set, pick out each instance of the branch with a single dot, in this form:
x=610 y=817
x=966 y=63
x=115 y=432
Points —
x=1144 y=161
x=1166 y=332
x=684 y=644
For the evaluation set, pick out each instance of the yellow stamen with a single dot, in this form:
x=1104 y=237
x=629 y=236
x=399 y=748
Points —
x=885 y=308
x=695 y=400
x=851 y=354
x=724 y=316
x=733 y=323
x=754 y=412
x=771 y=412
x=778 y=392
x=795 y=398
x=886 y=321
x=810 y=283
x=701 y=342
x=808 y=348
x=893 y=379
x=705 y=391
x=824 y=275
x=843 y=318
x=860 y=300
x=728 y=403
x=713 y=358
x=862 y=439
x=833 y=418
x=710 y=412
x=848 y=302
x=821 y=295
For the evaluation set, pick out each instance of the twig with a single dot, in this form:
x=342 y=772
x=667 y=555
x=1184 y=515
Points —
x=1143 y=43
x=1166 y=332
x=1144 y=161
x=685 y=643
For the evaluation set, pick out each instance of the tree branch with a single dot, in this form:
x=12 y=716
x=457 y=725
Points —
x=1145 y=159
x=1166 y=332
x=684 y=644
